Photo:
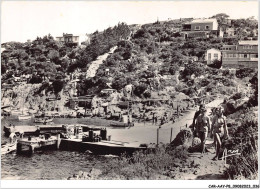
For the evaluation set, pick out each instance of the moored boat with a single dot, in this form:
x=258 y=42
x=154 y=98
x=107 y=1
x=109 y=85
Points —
x=7 y=148
x=120 y=124
x=16 y=112
x=43 y=120
x=24 y=117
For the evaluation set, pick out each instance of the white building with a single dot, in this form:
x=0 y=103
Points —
x=212 y=54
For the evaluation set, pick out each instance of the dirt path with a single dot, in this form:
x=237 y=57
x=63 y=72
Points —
x=92 y=70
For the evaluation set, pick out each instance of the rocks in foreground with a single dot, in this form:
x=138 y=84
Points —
x=93 y=174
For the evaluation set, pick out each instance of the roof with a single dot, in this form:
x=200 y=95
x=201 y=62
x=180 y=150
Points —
x=108 y=89
x=229 y=45
x=213 y=49
x=253 y=42
x=202 y=21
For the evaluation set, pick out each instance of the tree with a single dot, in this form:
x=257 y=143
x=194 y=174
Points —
x=35 y=79
x=139 y=89
x=57 y=85
x=119 y=83
x=20 y=54
x=221 y=17
x=216 y=64
x=53 y=55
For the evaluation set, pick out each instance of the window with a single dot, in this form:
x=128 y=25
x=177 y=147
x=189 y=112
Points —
x=197 y=27
x=215 y=55
x=245 y=55
x=230 y=55
x=207 y=27
x=241 y=55
x=235 y=55
x=229 y=49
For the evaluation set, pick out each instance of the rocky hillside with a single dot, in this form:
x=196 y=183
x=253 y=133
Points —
x=151 y=61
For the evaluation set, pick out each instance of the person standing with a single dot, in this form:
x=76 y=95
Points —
x=12 y=135
x=197 y=113
x=153 y=118
x=202 y=127
x=219 y=130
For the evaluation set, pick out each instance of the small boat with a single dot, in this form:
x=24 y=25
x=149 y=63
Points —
x=31 y=111
x=120 y=124
x=16 y=112
x=43 y=120
x=24 y=117
x=124 y=123
x=7 y=148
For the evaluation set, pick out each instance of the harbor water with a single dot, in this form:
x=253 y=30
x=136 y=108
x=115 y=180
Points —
x=57 y=164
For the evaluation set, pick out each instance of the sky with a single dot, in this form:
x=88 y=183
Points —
x=23 y=20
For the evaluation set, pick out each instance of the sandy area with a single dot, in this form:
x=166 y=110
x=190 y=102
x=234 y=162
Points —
x=147 y=133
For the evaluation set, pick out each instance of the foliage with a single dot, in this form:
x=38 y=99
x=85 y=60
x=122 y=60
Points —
x=139 y=89
x=216 y=64
x=145 y=164
x=254 y=82
x=57 y=85
x=193 y=68
x=35 y=79
x=119 y=83
x=244 y=72
x=246 y=164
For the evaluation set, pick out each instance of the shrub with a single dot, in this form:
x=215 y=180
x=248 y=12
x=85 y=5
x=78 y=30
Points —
x=35 y=79
x=244 y=166
x=139 y=89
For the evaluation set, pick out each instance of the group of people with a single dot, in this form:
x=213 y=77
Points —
x=215 y=127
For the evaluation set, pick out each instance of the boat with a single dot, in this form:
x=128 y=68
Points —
x=124 y=122
x=33 y=130
x=7 y=148
x=120 y=124
x=99 y=143
x=24 y=117
x=43 y=120
x=16 y=112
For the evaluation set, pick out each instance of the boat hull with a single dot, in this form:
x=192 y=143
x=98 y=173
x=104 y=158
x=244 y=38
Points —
x=24 y=117
x=97 y=147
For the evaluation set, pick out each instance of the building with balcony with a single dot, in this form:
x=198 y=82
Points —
x=244 y=54
x=200 y=28
x=72 y=39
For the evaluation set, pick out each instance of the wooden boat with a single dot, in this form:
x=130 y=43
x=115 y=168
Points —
x=120 y=124
x=43 y=120
x=7 y=148
x=33 y=130
x=24 y=117
x=16 y=112
x=102 y=147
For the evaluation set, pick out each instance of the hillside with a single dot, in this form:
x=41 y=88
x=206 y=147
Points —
x=156 y=68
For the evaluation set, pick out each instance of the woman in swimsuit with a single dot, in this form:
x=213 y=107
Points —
x=202 y=127
x=219 y=131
